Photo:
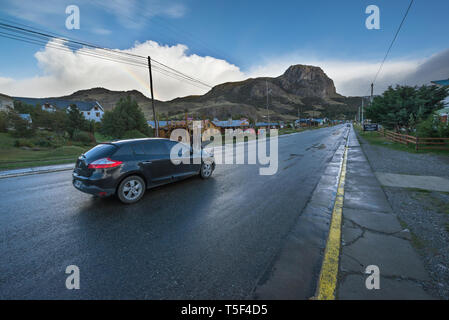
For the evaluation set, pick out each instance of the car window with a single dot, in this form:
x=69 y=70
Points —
x=100 y=151
x=124 y=150
x=138 y=148
x=154 y=147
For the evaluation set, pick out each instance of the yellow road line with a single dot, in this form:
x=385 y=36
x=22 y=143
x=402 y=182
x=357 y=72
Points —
x=329 y=270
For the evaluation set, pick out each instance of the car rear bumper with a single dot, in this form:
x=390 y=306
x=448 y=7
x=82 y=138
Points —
x=91 y=189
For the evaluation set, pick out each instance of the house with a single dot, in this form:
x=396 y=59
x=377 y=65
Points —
x=6 y=102
x=444 y=115
x=48 y=107
x=442 y=83
x=265 y=125
x=230 y=124
x=26 y=117
x=91 y=110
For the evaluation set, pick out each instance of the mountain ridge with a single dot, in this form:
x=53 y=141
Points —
x=300 y=89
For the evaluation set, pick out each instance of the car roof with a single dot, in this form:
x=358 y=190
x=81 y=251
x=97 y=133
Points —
x=126 y=141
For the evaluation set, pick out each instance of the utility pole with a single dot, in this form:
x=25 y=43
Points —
x=372 y=90
x=156 y=124
x=363 y=100
x=268 y=113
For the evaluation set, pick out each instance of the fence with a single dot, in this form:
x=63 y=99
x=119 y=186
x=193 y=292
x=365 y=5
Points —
x=420 y=143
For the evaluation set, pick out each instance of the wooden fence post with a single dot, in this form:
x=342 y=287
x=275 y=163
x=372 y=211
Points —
x=417 y=144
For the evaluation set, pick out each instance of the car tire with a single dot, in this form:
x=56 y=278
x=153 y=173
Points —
x=131 y=189
x=206 y=170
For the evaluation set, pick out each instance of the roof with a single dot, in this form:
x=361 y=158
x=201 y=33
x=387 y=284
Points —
x=441 y=82
x=60 y=103
x=25 y=116
x=5 y=96
x=231 y=123
x=161 y=123
x=264 y=124
x=118 y=142
x=443 y=111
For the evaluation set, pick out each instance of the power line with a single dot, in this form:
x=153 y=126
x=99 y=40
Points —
x=27 y=34
x=392 y=42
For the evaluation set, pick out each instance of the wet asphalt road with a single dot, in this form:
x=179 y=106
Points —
x=195 y=239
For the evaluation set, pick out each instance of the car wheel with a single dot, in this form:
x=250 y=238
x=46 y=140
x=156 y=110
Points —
x=206 y=170
x=131 y=189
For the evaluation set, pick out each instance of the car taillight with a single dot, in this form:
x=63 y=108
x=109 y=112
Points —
x=104 y=163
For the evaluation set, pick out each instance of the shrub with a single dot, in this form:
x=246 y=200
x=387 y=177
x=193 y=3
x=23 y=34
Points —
x=22 y=129
x=3 y=122
x=126 y=116
x=23 y=143
x=81 y=136
x=133 y=134
x=432 y=127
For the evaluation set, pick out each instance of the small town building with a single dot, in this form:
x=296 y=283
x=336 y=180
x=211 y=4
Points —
x=91 y=110
x=6 y=102
x=26 y=117
x=230 y=124
x=268 y=125
x=444 y=115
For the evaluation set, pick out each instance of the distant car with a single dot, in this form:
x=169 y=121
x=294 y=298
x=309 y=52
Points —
x=127 y=168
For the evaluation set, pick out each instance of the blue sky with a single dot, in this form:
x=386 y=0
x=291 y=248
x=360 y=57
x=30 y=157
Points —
x=248 y=34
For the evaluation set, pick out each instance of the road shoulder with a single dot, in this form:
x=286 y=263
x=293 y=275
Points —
x=373 y=236
x=35 y=170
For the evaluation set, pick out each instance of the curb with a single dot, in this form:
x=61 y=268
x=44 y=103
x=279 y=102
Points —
x=32 y=171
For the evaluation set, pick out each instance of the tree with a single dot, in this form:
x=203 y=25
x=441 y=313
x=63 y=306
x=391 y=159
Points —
x=397 y=106
x=22 y=128
x=3 y=121
x=126 y=116
x=75 y=120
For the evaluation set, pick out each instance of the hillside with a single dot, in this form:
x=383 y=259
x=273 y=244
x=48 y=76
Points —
x=302 y=88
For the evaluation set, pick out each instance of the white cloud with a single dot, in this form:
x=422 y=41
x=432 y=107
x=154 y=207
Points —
x=353 y=78
x=65 y=72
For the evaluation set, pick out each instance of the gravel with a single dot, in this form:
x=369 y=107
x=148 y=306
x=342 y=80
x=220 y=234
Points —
x=384 y=159
x=424 y=213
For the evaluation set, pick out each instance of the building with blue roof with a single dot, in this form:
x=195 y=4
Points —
x=91 y=110
x=441 y=83
x=26 y=117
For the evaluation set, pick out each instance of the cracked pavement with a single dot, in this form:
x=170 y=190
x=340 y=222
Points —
x=372 y=235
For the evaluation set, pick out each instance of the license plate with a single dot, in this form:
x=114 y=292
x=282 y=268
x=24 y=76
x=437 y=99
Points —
x=77 y=183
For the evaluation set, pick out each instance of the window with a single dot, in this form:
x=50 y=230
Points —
x=138 y=148
x=100 y=151
x=124 y=150
x=154 y=147
x=97 y=114
x=88 y=113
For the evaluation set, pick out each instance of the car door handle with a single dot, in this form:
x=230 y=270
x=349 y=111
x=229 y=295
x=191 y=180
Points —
x=146 y=162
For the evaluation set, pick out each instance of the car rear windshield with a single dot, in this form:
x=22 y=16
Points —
x=100 y=151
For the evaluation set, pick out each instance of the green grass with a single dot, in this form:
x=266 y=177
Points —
x=415 y=240
x=376 y=138
x=12 y=157
x=102 y=138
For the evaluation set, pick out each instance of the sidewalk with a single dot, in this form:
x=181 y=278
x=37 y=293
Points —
x=35 y=170
x=372 y=235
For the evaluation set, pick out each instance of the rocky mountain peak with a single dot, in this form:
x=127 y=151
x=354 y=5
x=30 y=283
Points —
x=307 y=81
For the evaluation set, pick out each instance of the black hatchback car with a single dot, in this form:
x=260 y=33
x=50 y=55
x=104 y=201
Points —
x=127 y=168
